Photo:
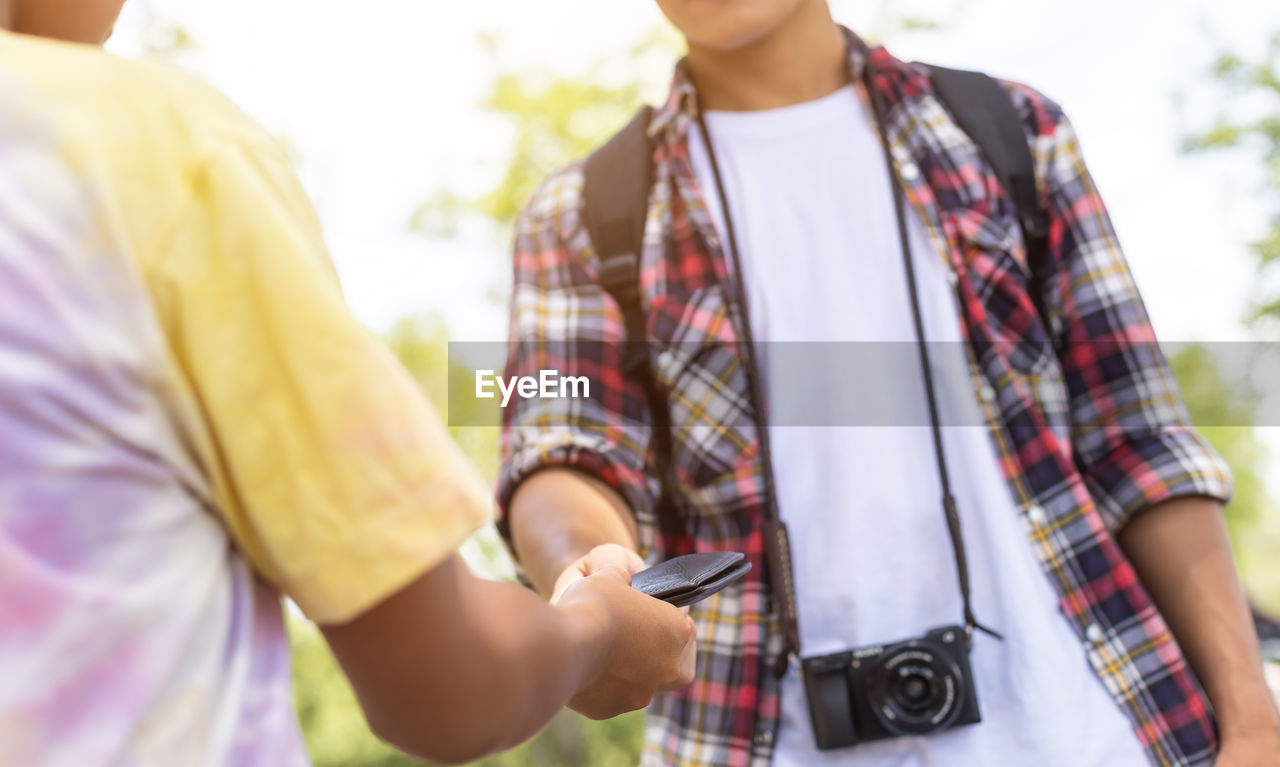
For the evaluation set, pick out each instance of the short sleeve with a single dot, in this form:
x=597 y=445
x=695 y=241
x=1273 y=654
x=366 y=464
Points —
x=335 y=476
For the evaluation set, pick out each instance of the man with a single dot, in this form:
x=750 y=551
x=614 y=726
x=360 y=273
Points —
x=192 y=424
x=1090 y=508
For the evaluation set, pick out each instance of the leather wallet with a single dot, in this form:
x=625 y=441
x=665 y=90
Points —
x=691 y=578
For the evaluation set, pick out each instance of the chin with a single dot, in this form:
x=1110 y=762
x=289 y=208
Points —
x=727 y=25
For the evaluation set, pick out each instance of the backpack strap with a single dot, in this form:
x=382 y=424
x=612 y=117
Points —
x=615 y=190
x=982 y=109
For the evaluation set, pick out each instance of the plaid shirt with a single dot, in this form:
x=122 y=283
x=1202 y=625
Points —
x=1079 y=401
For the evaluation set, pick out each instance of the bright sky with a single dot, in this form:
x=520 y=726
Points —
x=378 y=99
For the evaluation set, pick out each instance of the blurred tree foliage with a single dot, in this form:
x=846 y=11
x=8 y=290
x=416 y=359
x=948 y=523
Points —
x=1223 y=409
x=1250 y=122
x=1247 y=123
x=553 y=120
x=422 y=345
x=161 y=37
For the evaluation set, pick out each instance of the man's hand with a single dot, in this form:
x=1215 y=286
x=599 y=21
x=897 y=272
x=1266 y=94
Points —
x=1260 y=749
x=1254 y=749
x=1181 y=553
x=556 y=516
x=606 y=555
x=652 y=644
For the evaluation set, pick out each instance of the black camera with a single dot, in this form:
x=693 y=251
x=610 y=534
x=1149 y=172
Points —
x=913 y=687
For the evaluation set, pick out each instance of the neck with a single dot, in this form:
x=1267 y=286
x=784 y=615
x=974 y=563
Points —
x=803 y=59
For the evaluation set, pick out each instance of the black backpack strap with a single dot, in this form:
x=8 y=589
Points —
x=615 y=190
x=615 y=193
x=982 y=109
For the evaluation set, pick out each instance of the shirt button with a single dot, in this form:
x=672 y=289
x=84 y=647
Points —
x=952 y=278
x=763 y=738
x=910 y=171
x=1037 y=516
x=987 y=393
x=1093 y=633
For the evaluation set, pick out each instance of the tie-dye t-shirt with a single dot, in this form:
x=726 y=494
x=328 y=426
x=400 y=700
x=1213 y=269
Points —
x=191 y=424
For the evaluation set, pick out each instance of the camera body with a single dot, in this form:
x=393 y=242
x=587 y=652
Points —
x=912 y=687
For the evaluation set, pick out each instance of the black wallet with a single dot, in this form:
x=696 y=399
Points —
x=691 y=578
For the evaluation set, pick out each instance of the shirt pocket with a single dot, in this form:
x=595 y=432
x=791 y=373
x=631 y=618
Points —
x=699 y=365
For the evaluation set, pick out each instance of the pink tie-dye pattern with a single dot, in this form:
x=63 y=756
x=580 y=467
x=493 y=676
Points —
x=131 y=632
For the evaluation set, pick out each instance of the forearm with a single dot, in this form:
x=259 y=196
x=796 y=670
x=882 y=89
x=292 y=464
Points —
x=558 y=515
x=454 y=667
x=1182 y=556
x=520 y=667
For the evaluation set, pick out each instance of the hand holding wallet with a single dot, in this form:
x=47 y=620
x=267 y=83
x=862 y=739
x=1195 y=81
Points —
x=691 y=578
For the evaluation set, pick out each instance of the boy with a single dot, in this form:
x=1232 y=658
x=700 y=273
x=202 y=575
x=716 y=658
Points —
x=192 y=424
x=809 y=190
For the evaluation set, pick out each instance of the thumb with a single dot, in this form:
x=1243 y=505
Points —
x=634 y=562
x=611 y=571
x=613 y=554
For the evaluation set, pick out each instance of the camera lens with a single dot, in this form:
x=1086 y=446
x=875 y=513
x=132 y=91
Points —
x=915 y=689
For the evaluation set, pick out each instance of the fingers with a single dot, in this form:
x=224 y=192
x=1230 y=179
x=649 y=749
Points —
x=612 y=571
x=612 y=553
x=688 y=658
x=599 y=558
x=571 y=575
x=653 y=647
x=620 y=700
x=686 y=666
x=674 y=650
x=635 y=563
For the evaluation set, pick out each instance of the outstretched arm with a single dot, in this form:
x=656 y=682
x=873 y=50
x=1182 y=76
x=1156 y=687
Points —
x=453 y=667
x=341 y=486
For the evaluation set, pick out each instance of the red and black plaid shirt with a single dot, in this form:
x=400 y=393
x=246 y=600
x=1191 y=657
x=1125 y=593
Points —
x=1080 y=402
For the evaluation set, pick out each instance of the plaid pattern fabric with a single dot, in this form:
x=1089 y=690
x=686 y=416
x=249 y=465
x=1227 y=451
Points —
x=1085 y=413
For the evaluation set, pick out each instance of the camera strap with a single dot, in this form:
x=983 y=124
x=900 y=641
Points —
x=777 y=547
x=944 y=477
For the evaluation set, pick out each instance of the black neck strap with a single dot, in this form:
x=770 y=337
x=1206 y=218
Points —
x=944 y=477
x=777 y=547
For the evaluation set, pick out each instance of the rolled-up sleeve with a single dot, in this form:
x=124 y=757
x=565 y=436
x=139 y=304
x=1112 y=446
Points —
x=1131 y=436
x=563 y=320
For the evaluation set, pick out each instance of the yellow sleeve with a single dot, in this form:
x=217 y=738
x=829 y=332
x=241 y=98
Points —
x=332 y=471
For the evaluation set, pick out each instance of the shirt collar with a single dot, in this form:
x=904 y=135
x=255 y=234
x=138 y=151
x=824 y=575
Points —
x=671 y=122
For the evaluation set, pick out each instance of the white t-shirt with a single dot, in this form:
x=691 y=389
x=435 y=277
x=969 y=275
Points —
x=814 y=217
